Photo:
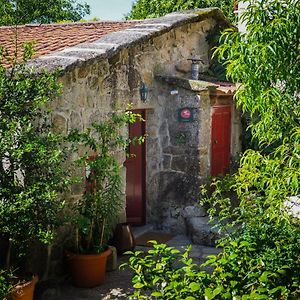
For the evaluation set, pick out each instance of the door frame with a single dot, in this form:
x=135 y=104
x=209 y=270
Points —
x=211 y=136
x=143 y=113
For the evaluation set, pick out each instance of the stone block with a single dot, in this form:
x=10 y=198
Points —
x=178 y=163
x=201 y=231
x=165 y=141
x=174 y=150
x=183 y=66
x=93 y=82
x=60 y=123
x=153 y=146
x=152 y=131
x=83 y=71
x=193 y=211
x=174 y=225
x=163 y=129
x=75 y=120
x=167 y=161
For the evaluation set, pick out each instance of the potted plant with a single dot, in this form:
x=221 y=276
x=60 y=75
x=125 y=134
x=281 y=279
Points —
x=99 y=208
x=32 y=174
x=5 y=285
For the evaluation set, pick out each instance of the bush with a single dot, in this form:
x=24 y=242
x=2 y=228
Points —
x=5 y=285
x=142 y=9
x=257 y=262
x=261 y=242
x=166 y=273
x=33 y=172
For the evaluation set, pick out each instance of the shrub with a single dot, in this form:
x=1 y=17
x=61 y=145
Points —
x=5 y=285
x=261 y=244
x=32 y=155
x=166 y=273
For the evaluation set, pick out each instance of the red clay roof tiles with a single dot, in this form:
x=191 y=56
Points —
x=53 y=37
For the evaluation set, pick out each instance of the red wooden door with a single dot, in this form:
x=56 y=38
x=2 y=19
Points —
x=220 y=140
x=135 y=175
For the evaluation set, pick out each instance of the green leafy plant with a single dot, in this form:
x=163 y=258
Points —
x=32 y=155
x=30 y=11
x=261 y=248
x=260 y=244
x=142 y=9
x=165 y=273
x=5 y=284
x=98 y=211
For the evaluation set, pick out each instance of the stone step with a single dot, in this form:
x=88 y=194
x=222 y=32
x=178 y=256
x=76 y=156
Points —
x=201 y=231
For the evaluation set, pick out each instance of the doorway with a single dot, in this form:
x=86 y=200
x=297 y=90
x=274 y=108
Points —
x=136 y=174
x=220 y=140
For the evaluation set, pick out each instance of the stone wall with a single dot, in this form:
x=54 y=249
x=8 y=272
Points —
x=179 y=153
x=92 y=90
x=173 y=166
x=106 y=75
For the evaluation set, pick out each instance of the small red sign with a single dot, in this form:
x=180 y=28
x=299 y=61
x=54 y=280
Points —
x=185 y=113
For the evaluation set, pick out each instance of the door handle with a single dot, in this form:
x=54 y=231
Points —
x=215 y=142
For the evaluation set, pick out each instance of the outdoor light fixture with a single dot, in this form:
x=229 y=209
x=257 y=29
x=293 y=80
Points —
x=144 y=92
x=195 y=67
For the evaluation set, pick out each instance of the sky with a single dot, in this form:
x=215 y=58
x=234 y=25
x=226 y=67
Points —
x=108 y=9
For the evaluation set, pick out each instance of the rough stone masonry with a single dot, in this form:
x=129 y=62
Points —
x=105 y=75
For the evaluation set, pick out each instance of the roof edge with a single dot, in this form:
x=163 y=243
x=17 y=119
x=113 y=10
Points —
x=214 y=88
x=68 y=23
x=112 y=43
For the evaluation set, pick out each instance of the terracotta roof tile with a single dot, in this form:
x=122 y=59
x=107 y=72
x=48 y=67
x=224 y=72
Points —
x=53 y=37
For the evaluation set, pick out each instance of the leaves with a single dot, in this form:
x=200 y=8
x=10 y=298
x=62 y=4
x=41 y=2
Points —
x=260 y=244
x=166 y=273
x=97 y=211
x=29 y=11
x=142 y=9
x=32 y=172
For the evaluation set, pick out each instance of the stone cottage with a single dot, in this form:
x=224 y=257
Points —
x=192 y=126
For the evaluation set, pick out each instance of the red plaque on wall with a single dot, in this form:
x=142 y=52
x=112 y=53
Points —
x=185 y=114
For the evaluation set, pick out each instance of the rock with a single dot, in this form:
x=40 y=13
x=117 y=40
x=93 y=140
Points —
x=202 y=232
x=293 y=206
x=112 y=260
x=184 y=66
x=193 y=211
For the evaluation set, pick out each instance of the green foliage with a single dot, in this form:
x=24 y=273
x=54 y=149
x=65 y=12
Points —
x=261 y=236
x=259 y=260
x=166 y=273
x=265 y=60
x=31 y=11
x=263 y=244
x=260 y=257
x=32 y=174
x=142 y=9
x=5 y=285
x=99 y=208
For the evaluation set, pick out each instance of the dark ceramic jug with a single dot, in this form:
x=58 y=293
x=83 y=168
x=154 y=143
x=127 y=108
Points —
x=123 y=238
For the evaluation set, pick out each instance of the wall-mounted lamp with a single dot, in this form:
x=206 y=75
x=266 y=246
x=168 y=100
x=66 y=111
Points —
x=195 y=68
x=144 y=91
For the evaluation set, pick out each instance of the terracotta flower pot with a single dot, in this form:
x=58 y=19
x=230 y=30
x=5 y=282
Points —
x=88 y=270
x=25 y=291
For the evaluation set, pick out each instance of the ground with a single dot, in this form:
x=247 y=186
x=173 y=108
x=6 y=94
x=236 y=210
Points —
x=118 y=283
